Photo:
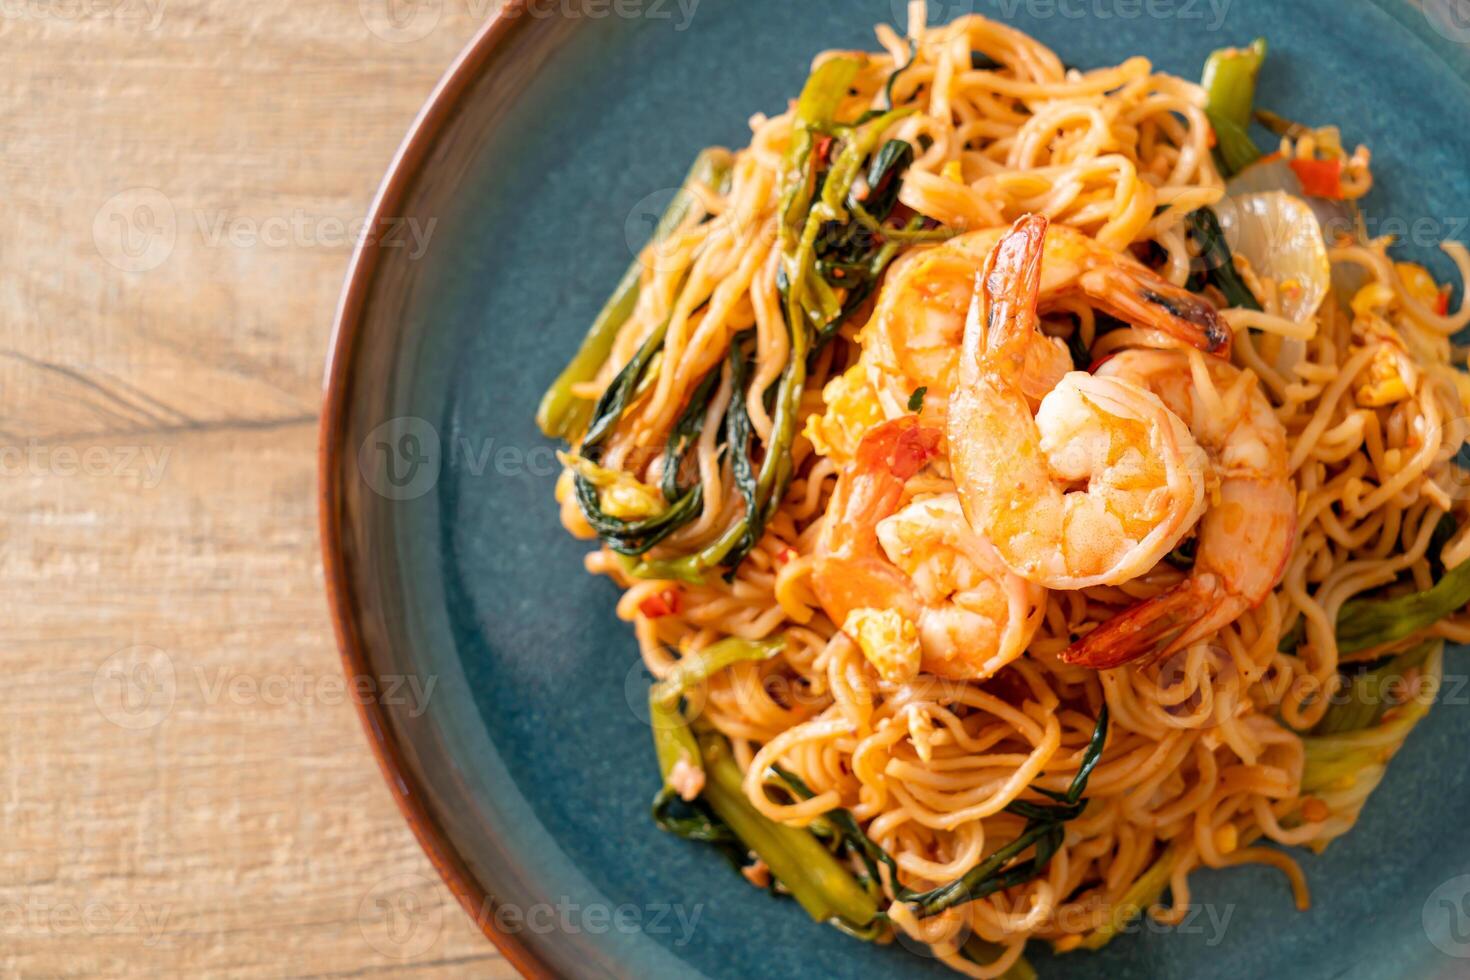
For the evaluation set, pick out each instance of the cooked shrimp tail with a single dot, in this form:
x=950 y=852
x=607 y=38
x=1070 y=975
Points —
x=1148 y=630
x=1136 y=294
x=1011 y=281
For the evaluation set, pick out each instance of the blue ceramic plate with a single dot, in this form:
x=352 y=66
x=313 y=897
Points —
x=533 y=175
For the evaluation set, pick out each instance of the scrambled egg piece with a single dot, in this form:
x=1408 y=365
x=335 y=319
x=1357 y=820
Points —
x=1391 y=376
x=1371 y=300
x=1385 y=384
x=852 y=409
x=620 y=495
x=889 y=641
x=1419 y=283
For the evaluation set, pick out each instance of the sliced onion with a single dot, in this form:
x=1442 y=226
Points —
x=1273 y=173
x=1279 y=235
x=1281 y=238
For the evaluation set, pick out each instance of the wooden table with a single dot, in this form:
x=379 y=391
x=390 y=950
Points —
x=187 y=790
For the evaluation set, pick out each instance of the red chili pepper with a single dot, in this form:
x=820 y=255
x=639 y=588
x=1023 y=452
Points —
x=665 y=603
x=1442 y=305
x=913 y=450
x=1320 y=178
x=785 y=555
x=824 y=144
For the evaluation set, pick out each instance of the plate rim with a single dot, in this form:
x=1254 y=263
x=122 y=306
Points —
x=475 y=58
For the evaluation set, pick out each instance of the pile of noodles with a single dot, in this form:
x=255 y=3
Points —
x=1204 y=760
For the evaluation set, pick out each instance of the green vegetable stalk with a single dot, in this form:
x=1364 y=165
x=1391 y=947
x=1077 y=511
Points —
x=1145 y=892
x=813 y=876
x=1365 y=698
x=696 y=668
x=672 y=739
x=1370 y=622
x=561 y=413
x=1365 y=623
x=816 y=879
x=1230 y=89
x=1339 y=754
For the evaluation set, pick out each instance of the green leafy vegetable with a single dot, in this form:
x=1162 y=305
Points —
x=563 y=414
x=819 y=100
x=1230 y=89
x=1218 y=263
x=695 y=820
x=1081 y=353
x=888 y=86
x=840 y=225
x=635 y=537
x=854 y=839
x=1444 y=530
x=1045 y=830
x=1184 y=554
x=738 y=431
x=916 y=400
x=809 y=303
x=685 y=434
x=884 y=175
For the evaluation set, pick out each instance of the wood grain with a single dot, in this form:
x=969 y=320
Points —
x=187 y=791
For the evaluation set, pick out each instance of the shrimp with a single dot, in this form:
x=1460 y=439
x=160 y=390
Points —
x=1096 y=485
x=915 y=587
x=916 y=327
x=1247 y=534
